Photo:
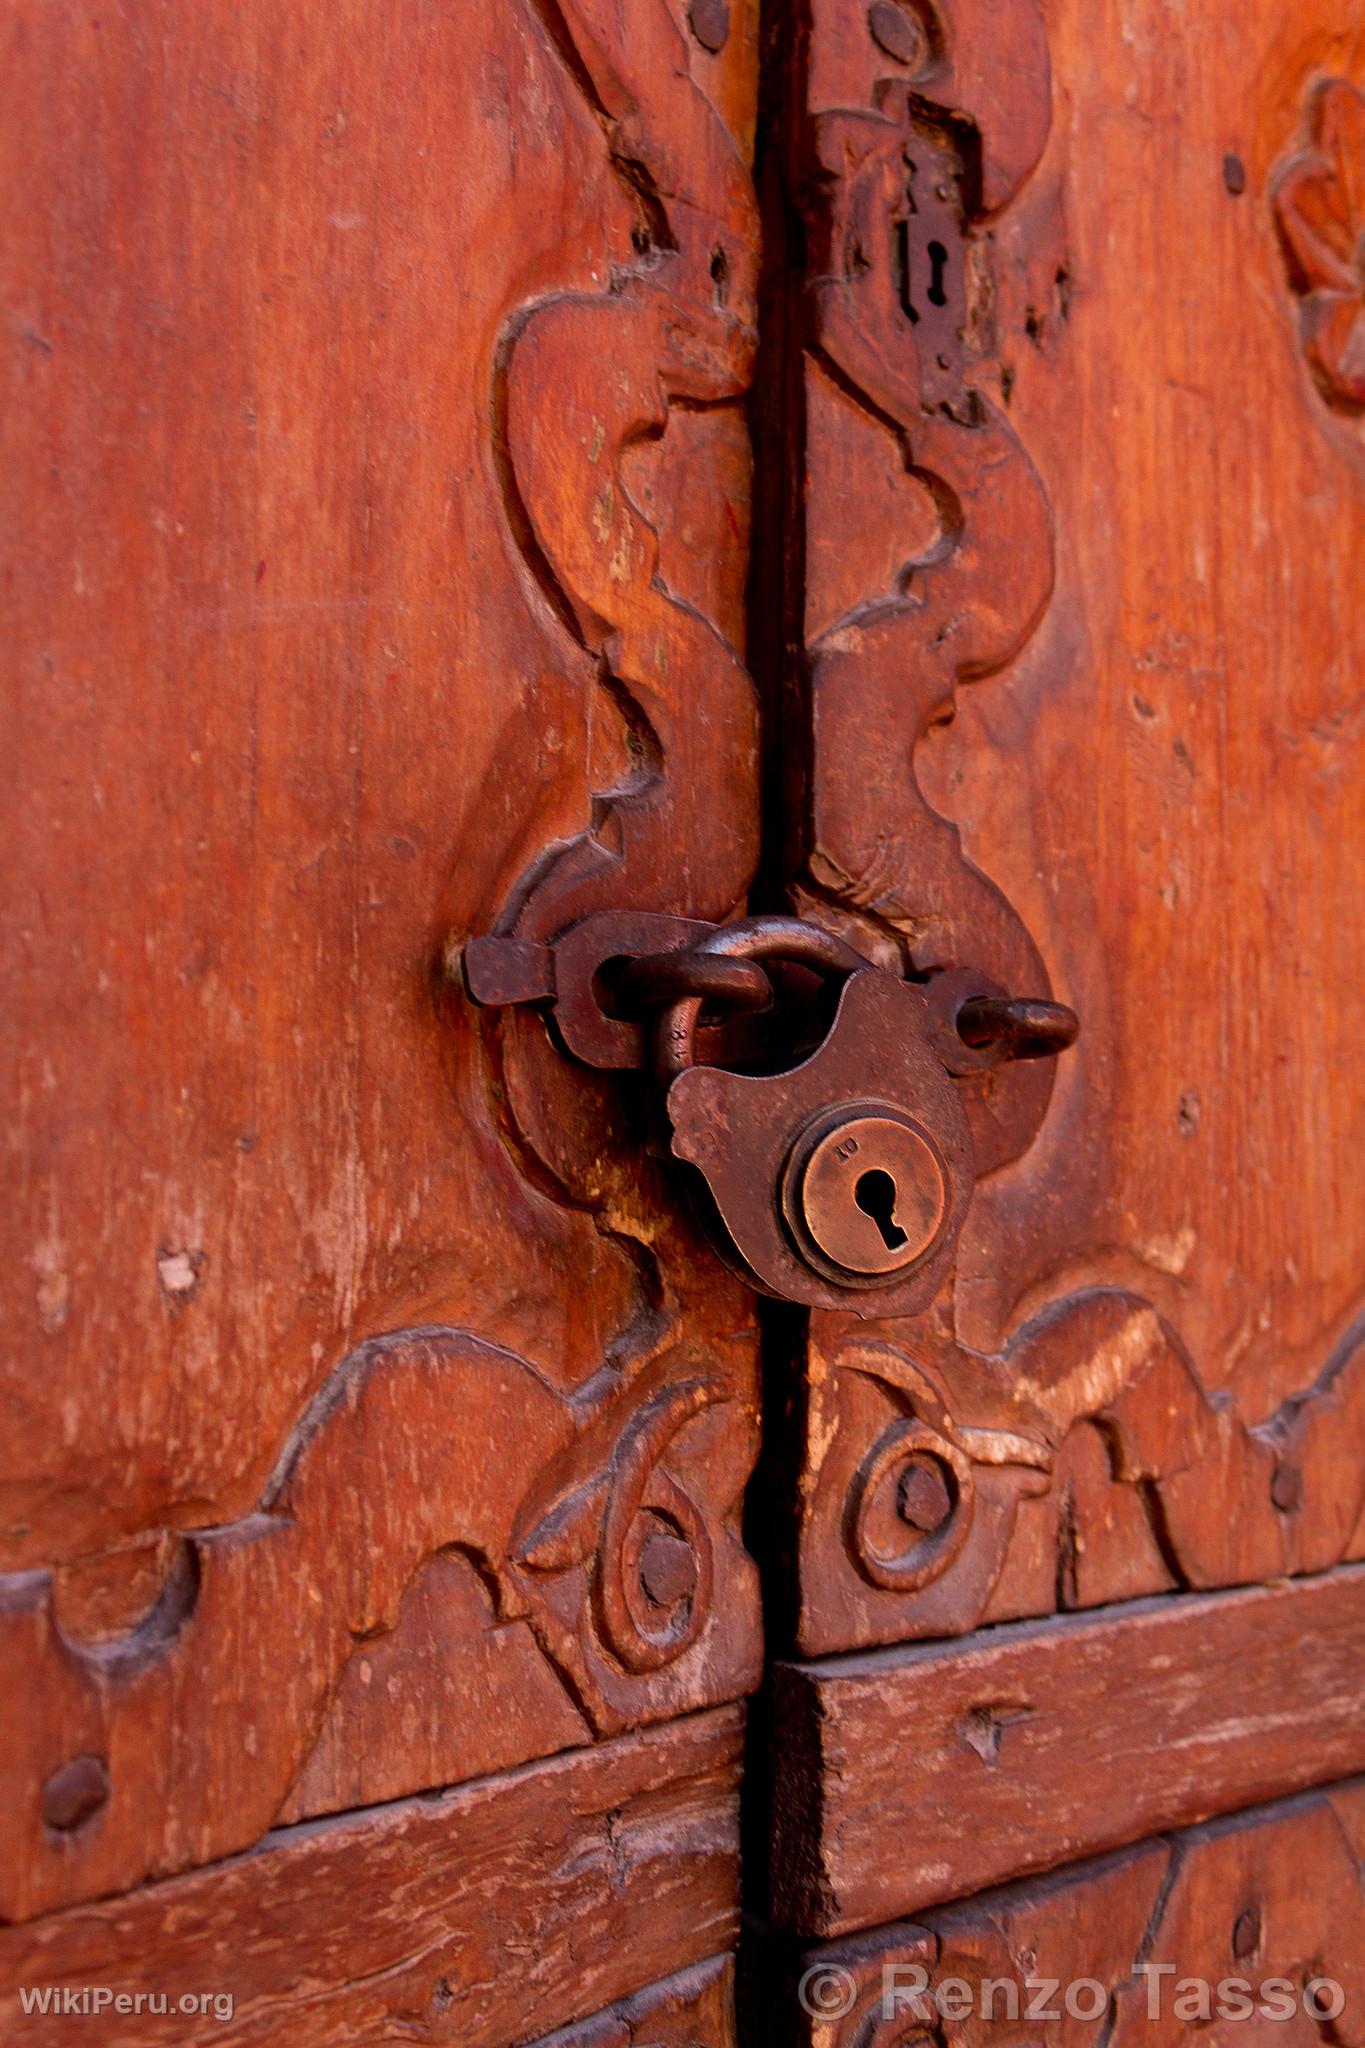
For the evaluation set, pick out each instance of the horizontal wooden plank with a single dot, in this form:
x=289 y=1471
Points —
x=694 y=2009
x=1272 y=1893
x=485 y=1916
x=917 y=1775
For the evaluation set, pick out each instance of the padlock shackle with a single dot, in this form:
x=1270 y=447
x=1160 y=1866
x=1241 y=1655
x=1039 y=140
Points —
x=752 y=938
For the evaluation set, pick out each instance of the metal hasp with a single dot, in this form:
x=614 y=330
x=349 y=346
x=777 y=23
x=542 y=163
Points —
x=841 y=1180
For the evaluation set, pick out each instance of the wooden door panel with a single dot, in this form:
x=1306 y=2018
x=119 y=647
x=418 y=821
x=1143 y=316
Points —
x=1056 y=1740
x=371 y=1422
x=269 y=743
x=1140 y=1946
x=488 y=1915
x=1078 y=482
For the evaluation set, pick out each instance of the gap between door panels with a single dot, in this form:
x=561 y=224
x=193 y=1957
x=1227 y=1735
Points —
x=775 y=623
x=774 y=648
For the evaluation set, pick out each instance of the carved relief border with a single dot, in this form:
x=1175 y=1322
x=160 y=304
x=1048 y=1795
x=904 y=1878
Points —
x=1086 y=1464
x=941 y=1487
x=559 y=1565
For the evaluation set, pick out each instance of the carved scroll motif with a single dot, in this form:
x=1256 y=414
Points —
x=1085 y=1462
x=1084 y=1465
x=602 y=1534
x=446 y=1523
x=589 y=377
x=1318 y=197
x=588 y=381
x=907 y=158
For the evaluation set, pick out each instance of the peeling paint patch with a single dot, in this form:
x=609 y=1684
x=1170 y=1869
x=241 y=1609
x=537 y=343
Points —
x=54 y=1282
x=178 y=1272
x=1098 y=1379
x=1169 y=1254
x=54 y=1298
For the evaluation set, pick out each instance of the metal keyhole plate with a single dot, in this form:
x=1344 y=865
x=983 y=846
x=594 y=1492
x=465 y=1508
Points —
x=865 y=1190
x=783 y=1206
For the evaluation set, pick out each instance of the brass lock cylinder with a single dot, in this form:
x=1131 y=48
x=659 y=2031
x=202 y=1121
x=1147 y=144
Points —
x=865 y=1193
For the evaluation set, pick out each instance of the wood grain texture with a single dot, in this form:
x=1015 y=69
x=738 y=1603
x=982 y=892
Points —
x=915 y=1775
x=1211 y=1905
x=352 y=1345
x=1015 y=466
x=260 y=722
x=485 y=1916
x=694 y=2009
x=1207 y=913
x=375 y=1416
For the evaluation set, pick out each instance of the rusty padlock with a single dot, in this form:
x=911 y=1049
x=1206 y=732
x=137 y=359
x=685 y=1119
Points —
x=844 y=1181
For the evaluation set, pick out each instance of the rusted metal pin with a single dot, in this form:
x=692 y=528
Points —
x=1024 y=1027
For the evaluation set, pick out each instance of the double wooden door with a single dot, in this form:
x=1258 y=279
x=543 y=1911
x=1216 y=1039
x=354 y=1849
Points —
x=476 y=470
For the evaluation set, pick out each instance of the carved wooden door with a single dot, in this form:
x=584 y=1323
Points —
x=477 y=472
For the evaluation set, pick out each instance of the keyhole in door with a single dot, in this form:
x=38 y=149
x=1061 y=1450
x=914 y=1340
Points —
x=909 y=277
x=875 y=1194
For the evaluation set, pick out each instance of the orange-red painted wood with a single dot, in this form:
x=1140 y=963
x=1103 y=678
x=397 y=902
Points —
x=1258 y=1921
x=918 y=1774
x=486 y=1916
x=377 y=501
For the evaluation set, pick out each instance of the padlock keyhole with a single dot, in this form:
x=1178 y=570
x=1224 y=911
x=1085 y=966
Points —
x=875 y=1194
